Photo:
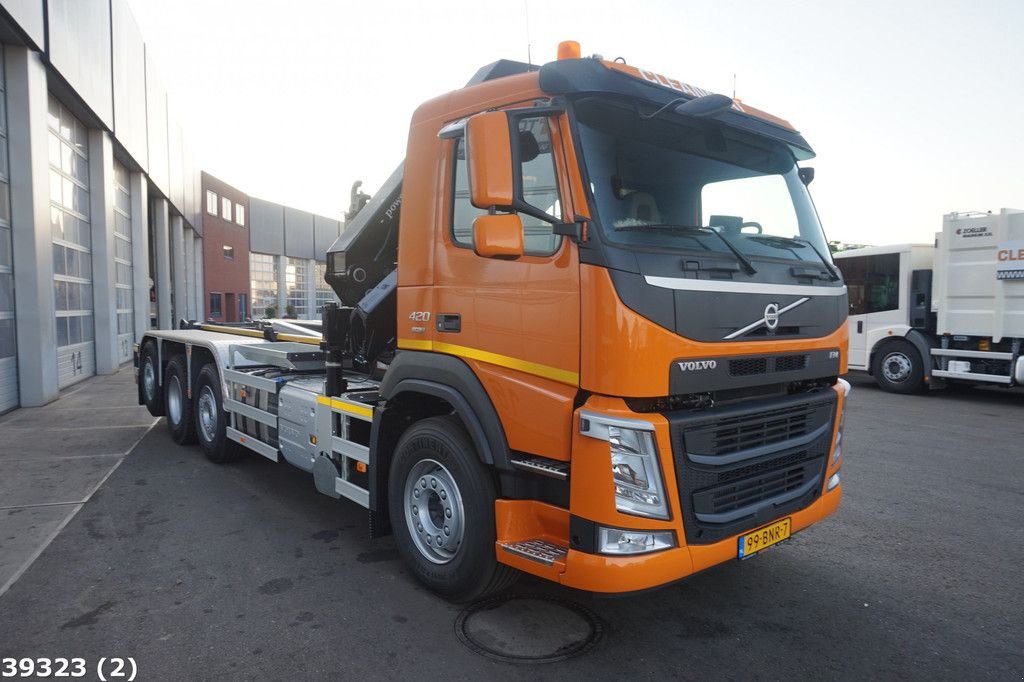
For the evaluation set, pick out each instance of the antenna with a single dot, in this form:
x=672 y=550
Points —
x=734 y=85
x=526 y=10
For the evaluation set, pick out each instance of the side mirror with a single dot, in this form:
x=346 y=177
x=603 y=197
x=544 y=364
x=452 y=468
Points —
x=498 y=235
x=806 y=175
x=489 y=157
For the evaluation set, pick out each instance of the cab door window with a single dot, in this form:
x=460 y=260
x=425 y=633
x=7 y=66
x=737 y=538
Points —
x=539 y=177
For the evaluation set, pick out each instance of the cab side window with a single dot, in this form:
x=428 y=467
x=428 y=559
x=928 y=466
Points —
x=540 y=189
x=873 y=282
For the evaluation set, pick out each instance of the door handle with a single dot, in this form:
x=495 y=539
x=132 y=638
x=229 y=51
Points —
x=449 y=322
x=860 y=326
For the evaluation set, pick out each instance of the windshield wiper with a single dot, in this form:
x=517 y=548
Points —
x=747 y=265
x=800 y=241
x=699 y=229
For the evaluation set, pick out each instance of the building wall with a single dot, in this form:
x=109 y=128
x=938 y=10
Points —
x=226 y=250
x=99 y=198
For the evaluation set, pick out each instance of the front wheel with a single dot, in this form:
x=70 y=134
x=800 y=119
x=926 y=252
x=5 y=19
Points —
x=441 y=503
x=898 y=367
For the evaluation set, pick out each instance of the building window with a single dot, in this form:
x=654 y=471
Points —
x=296 y=277
x=240 y=214
x=215 y=310
x=263 y=284
x=211 y=202
x=225 y=208
x=229 y=252
x=324 y=292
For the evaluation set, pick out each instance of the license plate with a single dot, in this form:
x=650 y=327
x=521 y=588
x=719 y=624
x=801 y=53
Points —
x=762 y=538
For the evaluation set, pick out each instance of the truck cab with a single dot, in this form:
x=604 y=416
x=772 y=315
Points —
x=590 y=331
x=889 y=290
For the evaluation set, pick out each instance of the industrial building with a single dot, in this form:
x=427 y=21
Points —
x=262 y=259
x=106 y=227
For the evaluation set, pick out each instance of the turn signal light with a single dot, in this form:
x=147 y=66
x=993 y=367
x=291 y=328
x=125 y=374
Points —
x=569 y=49
x=361 y=468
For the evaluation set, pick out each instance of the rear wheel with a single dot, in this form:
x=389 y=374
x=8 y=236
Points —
x=898 y=367
x=212 y=420
x=149 y=379
x=441 y=503
x=178 y=406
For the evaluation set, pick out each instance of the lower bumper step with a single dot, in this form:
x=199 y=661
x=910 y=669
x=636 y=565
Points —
x=541 y=551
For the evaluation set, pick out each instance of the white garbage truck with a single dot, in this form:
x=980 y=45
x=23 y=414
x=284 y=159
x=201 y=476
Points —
x=924 y=315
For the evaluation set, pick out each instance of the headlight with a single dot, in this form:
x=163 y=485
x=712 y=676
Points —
x=636 y=471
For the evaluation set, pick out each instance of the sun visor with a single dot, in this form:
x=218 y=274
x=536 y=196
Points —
x=571 y=77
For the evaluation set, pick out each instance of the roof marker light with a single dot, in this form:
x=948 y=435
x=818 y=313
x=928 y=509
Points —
x=569 y=49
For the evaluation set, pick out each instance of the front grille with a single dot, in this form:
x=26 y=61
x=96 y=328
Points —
x=741 y=433
x=747 y=455
x=744 y=367
x=748 y=366
x=790 y=363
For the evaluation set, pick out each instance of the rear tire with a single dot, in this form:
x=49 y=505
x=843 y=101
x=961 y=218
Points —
x=441 y=503
x=149 y=379
x=898 y=367
x=211 y=419
x=178 y=406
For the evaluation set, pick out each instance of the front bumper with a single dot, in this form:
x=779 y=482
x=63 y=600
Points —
x=695 y=468
x=602 y=573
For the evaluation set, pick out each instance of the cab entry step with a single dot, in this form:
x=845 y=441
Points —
x=541 y=551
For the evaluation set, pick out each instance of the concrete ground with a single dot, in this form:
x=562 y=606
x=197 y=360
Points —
x=242 y=571
x=53 y=458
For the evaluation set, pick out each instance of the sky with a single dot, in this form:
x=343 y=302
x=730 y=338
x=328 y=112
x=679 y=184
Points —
x=914 y=107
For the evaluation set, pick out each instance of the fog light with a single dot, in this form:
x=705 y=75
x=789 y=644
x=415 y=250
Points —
x=615 y=541
x=833 y=482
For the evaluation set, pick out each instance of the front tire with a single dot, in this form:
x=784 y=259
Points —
x=178 y=406
x=441 y=503
x=898 y=367
x=211 y=419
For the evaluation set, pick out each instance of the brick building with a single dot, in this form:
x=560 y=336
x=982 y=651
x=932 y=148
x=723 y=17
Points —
x=226 y=251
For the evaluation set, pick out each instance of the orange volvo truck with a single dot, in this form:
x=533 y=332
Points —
x=590 y=330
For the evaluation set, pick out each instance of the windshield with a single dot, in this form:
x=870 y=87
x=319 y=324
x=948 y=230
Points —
x=673 y=183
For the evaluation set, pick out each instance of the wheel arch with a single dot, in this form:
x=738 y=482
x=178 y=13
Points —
x=418 y=386
x=921 y=342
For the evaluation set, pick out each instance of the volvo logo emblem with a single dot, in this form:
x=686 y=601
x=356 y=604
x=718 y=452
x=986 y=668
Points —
x=771 y=316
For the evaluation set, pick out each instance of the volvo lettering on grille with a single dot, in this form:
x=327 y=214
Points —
x=697 y=365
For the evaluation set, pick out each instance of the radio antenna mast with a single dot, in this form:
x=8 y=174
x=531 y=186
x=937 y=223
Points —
x=526 y=10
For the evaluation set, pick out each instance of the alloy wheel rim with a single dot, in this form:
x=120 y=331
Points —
x=149 y=379
x=207 y=414
x=434 y=511
x=896 y=367
x=174 y=400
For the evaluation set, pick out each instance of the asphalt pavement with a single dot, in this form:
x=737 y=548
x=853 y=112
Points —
x=243 y=571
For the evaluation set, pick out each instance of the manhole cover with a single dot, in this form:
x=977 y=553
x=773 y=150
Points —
x=528 y=629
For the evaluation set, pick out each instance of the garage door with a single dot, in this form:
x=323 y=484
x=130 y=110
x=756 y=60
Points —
x=72 y=245
x=123 y=263
x=8 y=347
